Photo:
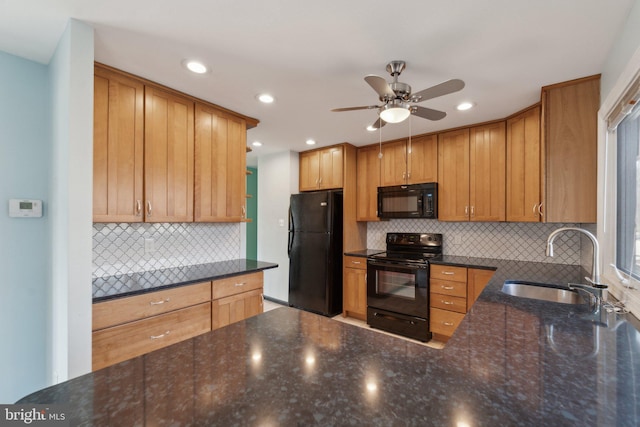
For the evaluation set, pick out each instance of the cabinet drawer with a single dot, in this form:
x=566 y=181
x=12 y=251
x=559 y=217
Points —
x=355 y=262
x=127 y=309
x=447 y=272
x=447 y=302
x=236 y=285
x=118 y=343
x=446 y=287
x=444 y=322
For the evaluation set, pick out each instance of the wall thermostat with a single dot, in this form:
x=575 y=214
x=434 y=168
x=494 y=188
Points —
x=25 y=208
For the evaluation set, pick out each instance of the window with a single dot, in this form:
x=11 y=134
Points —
x=628 y=189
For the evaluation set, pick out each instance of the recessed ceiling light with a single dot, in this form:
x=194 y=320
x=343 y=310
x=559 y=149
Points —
x=370 y=128
x=463 y=106
x=310 y=142
x=265 y=98
x=257 y=144
x=195 y=66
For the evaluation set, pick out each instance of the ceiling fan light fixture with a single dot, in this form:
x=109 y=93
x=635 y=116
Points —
x=395 y=112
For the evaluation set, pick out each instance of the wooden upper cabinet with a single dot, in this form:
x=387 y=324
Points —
x=570 y=143
x=523 y=167
x=321 y=169
x=220 y=166
x=368 y=181
x=169 y=156
x=487 y=157
x=413 y=161
x=393 y=168
x=422 y=159
x=453 y=175
x=118 y=147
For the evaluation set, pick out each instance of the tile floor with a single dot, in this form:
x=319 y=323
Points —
x=270 y=305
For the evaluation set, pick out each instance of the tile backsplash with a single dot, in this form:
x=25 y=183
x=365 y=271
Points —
x=501 y=240
x=120 y=248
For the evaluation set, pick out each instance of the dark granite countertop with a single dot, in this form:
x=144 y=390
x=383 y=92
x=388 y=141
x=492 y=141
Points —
x=121 y=285
x=511 y=362
x=364 y=252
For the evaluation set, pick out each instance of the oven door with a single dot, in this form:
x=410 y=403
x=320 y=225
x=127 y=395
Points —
x=397 y=287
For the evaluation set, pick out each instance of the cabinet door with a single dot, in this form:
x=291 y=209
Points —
x=220 y=164
x=309 y=170
x=487 y=166
x=355 y=293
x=523 y=167
x=571 y=151
x=225 y=311
x=331 y=168
x=118 y=142
x=393 y=169
x=453 y=176
x=477 y=279
x=422 y=160
x=368 y=180
x=169 y=151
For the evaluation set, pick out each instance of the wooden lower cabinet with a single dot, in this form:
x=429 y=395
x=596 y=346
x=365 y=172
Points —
x=453 y=290
x=225 y=311
x=236 y=298
x=122 y=342
x=124 y=328
x=354 y=294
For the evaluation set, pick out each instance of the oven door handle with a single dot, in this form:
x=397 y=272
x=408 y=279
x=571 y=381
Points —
x=376 y=263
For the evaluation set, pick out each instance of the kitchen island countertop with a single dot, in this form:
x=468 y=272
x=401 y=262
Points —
x=512 y=361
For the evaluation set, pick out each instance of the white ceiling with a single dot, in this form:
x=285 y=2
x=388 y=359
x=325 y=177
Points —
x=313 y=56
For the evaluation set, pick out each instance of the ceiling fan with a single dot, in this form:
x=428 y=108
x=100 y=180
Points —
x=396 y=97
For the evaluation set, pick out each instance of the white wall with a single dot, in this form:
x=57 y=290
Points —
x=278 y=180
x=71 y=76
x=25 y=152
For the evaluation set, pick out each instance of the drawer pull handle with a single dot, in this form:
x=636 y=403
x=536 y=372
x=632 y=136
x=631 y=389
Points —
x=446 y=302
x=156 y=337
x=355 y=262
x=449 y=273
x=240 y=284
x=449 y=288
x=447 y=323
x=160 y=302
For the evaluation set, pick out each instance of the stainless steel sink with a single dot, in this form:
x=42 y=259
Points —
x=542 y=291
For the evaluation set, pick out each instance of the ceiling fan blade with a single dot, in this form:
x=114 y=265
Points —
x=428 y=113
x=365 y=107
x=381 y=86
x=444 y=88
x=378 y=124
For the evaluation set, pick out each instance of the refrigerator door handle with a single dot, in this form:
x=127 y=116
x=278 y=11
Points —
x=291 y=233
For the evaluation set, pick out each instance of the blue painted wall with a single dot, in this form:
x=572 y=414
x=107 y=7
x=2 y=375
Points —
x=25 y=156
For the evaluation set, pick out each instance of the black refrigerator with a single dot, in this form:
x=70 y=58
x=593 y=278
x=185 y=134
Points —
x=315 y=252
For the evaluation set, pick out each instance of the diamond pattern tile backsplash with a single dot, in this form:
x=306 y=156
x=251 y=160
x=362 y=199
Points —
x=501 y=240
x=120 y=248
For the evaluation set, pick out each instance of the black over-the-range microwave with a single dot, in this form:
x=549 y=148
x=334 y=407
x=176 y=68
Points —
x=408 y=201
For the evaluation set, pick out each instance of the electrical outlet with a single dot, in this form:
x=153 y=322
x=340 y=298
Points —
x=149 y=246
x=281 y=222
x=456 y=239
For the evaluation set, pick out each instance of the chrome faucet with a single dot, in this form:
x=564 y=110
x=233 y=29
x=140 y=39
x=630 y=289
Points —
x=595 y=288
